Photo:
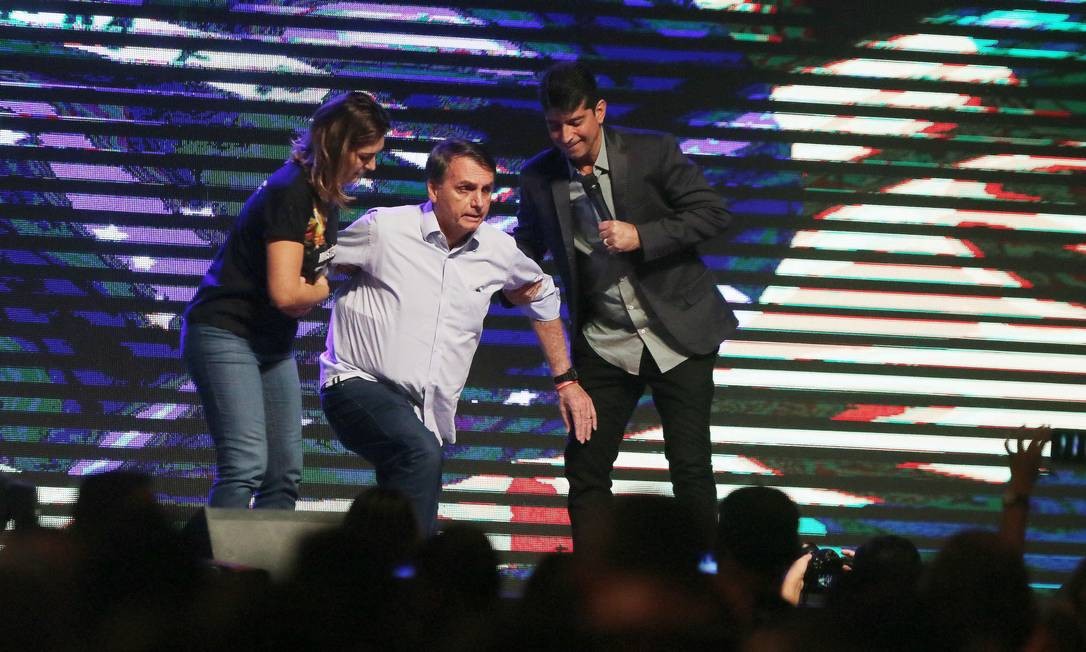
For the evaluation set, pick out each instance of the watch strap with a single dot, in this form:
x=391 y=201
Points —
x=566 y=376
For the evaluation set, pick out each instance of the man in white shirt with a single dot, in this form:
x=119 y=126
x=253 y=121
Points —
x=405 y=327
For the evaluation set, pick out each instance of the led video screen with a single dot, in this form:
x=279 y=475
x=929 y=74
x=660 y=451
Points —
x=907 y=262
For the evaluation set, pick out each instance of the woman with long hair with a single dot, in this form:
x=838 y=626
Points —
x=239 y=327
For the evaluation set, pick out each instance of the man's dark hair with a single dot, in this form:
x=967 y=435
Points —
x=443 y=154
x=566 y=86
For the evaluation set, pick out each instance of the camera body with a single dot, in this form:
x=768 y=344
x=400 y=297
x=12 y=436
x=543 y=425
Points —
x=823 y=573
x=1068 y=446
x=18 y=504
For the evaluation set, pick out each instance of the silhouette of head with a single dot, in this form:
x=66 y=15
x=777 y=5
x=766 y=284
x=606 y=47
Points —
x=758 y=530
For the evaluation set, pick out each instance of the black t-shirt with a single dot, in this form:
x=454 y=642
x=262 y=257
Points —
x=234 y=293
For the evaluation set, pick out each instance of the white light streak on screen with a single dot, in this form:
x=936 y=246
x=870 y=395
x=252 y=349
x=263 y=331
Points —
x=851 y=96
x=989 y=474
x=985 y=417
x=752 y=320
x=934 y=216
x=957 y=188
x=1054 y=363
x=802 y=495
x=944 y=304
x=822 y=152
x=827 y=123
x=969 y=276
x=722 y=463
x=853 y=440
x=855 y=383
x=887 y=69
x=1023 y=163
x=896 y=243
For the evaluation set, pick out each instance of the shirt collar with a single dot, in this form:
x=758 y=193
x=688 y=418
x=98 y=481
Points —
x=431 y=230
x=600 y=167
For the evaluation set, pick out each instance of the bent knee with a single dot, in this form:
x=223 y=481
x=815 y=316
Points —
x=427 y=454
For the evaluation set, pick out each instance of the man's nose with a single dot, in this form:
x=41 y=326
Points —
x=479 y=199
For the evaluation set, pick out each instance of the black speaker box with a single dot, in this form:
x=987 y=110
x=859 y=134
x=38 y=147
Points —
x=256 y=538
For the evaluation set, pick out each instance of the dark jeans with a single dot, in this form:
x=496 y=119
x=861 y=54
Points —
x=253 y=406
x=379 y=423
x=683 y=397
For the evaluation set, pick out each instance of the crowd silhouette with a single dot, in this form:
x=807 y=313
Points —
x=123 y=577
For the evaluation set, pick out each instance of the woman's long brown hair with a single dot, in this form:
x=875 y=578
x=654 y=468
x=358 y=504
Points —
x=341 y=125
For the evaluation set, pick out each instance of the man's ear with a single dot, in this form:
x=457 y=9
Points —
x=600 y=110
x=430 y=191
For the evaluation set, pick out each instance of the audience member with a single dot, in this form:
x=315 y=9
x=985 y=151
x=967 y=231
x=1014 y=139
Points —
x=553 y=594
x=38 y=605
x=643 y=585
x=885 y=568
x=456 y=572
x=120 y=578
x=382 y=521
x=348 y=575
x=1063 y=624
x=875 y=603
x=137 y=581
x=976 y=595
x=757 y=542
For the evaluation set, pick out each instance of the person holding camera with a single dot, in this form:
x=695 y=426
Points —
x=757 y=545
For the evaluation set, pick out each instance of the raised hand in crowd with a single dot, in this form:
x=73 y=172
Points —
x=1024 y=451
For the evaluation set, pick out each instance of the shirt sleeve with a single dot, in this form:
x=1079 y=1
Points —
x=286 y=210
x=356 y=244
x=522 y=271
x=695 y=212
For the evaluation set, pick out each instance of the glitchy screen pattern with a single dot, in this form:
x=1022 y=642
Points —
x=907 y=263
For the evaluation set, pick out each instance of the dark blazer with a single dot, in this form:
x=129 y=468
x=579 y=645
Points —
x=656 y=188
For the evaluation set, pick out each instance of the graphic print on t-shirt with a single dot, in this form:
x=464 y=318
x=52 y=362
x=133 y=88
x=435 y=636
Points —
x=317 y=251
x=314 y=230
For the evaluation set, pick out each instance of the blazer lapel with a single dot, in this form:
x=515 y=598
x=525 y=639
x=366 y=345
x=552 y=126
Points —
x=559 y=177
x=558 y=173
x=619 y=173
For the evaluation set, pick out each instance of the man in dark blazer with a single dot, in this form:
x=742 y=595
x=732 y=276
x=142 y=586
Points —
x=621 y=212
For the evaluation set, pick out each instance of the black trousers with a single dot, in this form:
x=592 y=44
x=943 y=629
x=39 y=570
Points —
x=683 y=397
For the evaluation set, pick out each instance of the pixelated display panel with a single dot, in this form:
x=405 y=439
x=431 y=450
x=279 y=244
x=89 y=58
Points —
x=907 y=263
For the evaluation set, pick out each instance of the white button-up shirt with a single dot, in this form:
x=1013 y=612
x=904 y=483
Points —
x=412 y=314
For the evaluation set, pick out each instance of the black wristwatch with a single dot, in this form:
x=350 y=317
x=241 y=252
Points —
x=566 y=377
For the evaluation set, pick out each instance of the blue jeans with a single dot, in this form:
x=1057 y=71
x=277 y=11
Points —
x=379 y=423
x=253 y=406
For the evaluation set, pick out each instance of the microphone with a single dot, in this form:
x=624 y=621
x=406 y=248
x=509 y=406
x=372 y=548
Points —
x=595 y=195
